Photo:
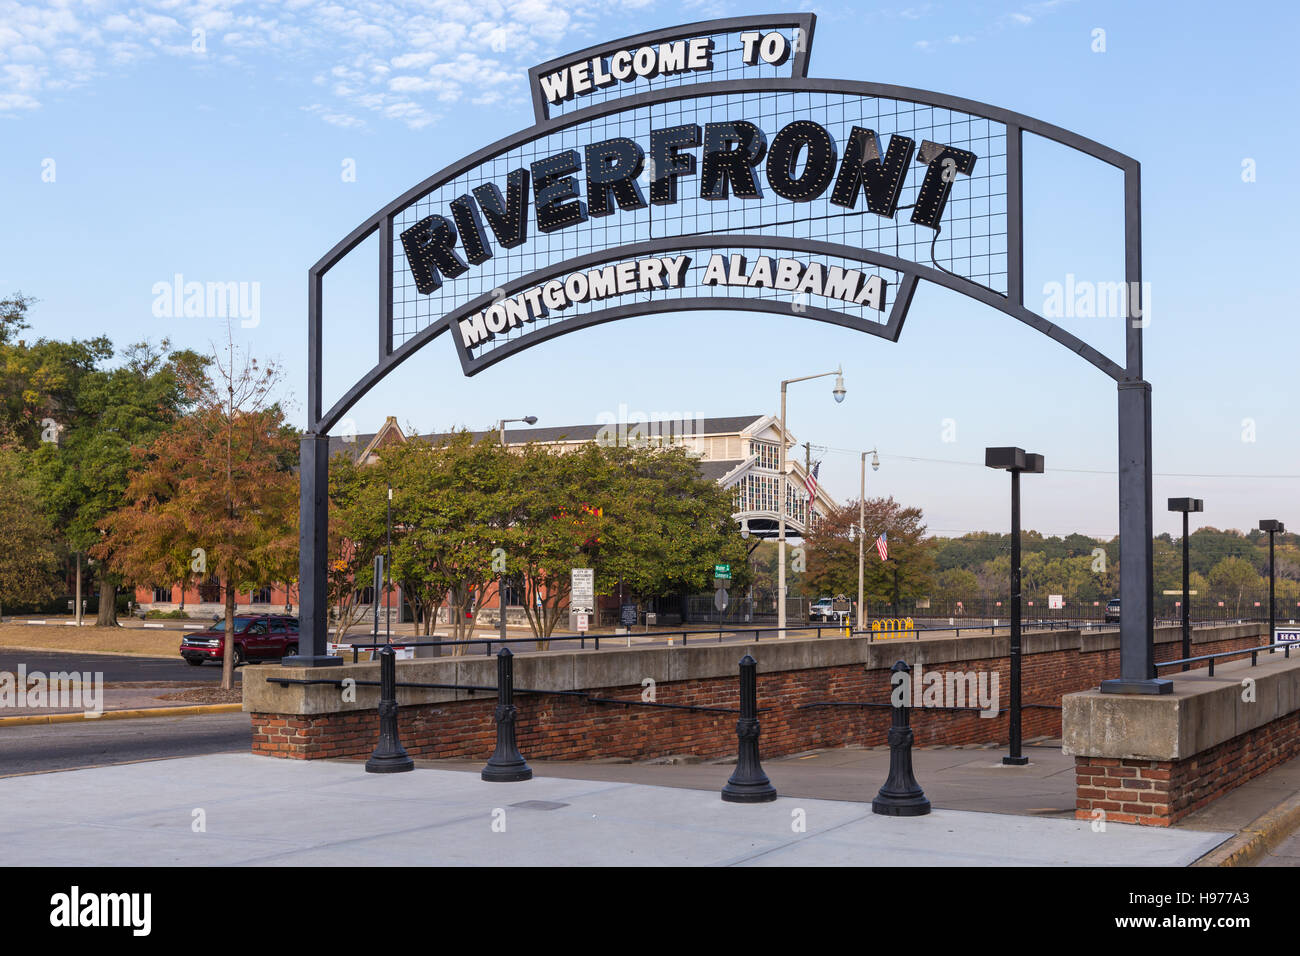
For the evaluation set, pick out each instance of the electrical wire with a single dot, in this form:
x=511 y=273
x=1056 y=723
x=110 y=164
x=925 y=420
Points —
x=1073 y=471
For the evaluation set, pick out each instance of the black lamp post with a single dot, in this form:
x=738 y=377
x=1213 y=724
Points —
x=1186 y=505
x=501 y=581
x=1273 y=527
x=1014 y=460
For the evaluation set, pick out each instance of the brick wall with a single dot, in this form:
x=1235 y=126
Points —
x=1161 y=792
x=567 y=728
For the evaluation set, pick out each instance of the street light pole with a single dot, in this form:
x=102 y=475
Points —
x=838 y=392
x=501 y=580
x=862 y=530
x=1186 y=505
x=1272 y=526
x=388 y=571
x=1014 y=460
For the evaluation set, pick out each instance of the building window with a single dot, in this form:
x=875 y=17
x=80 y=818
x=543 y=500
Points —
x=513 y=594
x=260 y=596
x=366 y=595
x=162 y=595
x=769 y=454
x=210 y=591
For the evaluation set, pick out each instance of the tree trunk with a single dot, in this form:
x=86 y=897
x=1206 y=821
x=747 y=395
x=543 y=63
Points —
x=228 y=652
x=107 y=602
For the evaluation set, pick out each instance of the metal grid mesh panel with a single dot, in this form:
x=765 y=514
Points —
x=727 y=65
x=972 y=243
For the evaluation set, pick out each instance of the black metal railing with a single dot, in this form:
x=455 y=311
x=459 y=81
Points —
x=1211 y=658
x=716 y=635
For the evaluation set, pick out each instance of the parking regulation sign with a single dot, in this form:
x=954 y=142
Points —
x=582 y=587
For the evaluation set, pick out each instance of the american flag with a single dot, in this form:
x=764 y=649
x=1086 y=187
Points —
x=811 y=483
x=882 y=546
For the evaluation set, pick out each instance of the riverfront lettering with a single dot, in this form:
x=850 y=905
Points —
x=800 y=164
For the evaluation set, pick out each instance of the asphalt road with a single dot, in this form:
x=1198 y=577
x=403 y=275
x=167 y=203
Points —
x=35 y=748
x=114 y=667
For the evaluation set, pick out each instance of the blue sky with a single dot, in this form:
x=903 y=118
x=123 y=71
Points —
x=224 y=164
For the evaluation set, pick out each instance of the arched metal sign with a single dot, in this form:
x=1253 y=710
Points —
x=700 y=168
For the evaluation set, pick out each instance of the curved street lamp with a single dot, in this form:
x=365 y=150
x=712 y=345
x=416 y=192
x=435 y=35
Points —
x=862 y=529
x=501 y=581
x=838 y=392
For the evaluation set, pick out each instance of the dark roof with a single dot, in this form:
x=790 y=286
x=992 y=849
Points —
x=709 y=426
x=353 y=447
x=715 y=470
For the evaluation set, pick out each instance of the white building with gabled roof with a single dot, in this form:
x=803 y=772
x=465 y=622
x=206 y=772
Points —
x=741 y=453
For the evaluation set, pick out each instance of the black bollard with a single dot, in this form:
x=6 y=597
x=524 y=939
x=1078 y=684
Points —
x=506 y=765
x=748 y=784
x=901 y=796
x=389 y=755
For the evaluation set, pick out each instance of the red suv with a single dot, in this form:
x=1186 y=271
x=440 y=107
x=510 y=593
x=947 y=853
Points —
x=258 y=637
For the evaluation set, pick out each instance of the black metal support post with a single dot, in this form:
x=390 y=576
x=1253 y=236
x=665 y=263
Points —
x=901 y=796
x=1015 y=460
x=748 y=784
x=1272 y=526
x=1015 y=758
x=1136 y=572
x=313 y=551
x=379 y=577
x=501 y=602
x=506 y=765
x=389 y=755
x=1186 y=505
x=1187 y=611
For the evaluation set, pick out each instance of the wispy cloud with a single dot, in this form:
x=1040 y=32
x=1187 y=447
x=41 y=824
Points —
x=1028 y=14
x=396 y=59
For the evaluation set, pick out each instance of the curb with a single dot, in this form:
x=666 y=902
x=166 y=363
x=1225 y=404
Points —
x=193 y=710
x=68 y=650
x=1257 y=837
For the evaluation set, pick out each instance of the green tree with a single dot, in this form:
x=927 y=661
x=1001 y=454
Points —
x=1233 y=576
x=832 y=552
x=220 y=480
x=27 y=553
x=84 y=475
x=665 y=525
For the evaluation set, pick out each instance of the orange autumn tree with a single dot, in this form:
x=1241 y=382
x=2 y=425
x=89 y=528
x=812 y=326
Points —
x=217 y=488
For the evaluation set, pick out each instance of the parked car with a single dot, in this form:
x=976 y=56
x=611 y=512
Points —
x=823 y=610
x=1112 y=611
x=258 y=637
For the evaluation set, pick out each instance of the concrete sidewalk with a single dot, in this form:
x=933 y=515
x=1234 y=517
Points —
x=953 y=778
x=263 y=811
